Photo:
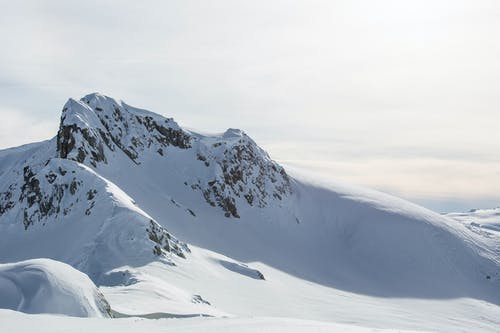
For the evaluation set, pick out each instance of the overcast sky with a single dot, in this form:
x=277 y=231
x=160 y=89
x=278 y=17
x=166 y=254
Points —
x=401 y=96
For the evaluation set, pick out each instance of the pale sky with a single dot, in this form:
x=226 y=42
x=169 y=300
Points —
x=401 y=96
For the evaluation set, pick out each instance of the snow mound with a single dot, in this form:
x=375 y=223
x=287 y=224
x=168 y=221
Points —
x=48 y=286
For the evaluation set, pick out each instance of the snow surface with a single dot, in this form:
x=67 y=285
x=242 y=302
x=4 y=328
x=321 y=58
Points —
x=17 y=322
x=484 y=225
x=48 y=286
x=328 y=252
x=285 y=295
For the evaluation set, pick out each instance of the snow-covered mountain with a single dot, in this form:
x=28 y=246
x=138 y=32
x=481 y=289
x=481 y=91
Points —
x=100 y=130
x=169 y=222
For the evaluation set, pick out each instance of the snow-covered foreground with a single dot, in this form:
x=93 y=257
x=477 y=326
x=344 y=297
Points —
x=158 y=301
x=170 y=223
x=17 y=322
x=236 y=294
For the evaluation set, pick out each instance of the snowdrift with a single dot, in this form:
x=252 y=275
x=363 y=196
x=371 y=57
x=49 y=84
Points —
x=48 y=286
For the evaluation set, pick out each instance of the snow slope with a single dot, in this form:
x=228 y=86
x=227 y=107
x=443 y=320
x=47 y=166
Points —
x=260 y=236
x=48 y=286
x=71 y=214
x=284 y=295
x=484 y=225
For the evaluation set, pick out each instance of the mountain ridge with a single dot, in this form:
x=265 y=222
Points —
x=98 y=126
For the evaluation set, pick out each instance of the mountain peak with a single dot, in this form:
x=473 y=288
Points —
x=233 y=133
x=78 y=113
x=95 y=95
x=231 y=169
x=97 y=123
x=99 y=102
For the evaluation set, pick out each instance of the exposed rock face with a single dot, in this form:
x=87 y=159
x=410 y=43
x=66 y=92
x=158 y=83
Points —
x=6 y=202
x=41 y=197
x=164 y=242
x=51 y=192
x=241 y=173
x=97 y=122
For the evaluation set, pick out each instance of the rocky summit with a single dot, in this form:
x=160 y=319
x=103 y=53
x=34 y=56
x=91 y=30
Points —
x=97 y=128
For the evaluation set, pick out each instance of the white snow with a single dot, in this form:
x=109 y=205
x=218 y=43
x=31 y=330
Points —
x=18 y=322
x=48 y=286
x=284 y=295
x=328 y=252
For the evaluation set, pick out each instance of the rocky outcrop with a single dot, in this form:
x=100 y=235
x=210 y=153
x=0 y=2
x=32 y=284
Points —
x=243 y=174
x=165 y=242
x=97 y=122
x=240 y=173
x=40 y=201
x=62 y=189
